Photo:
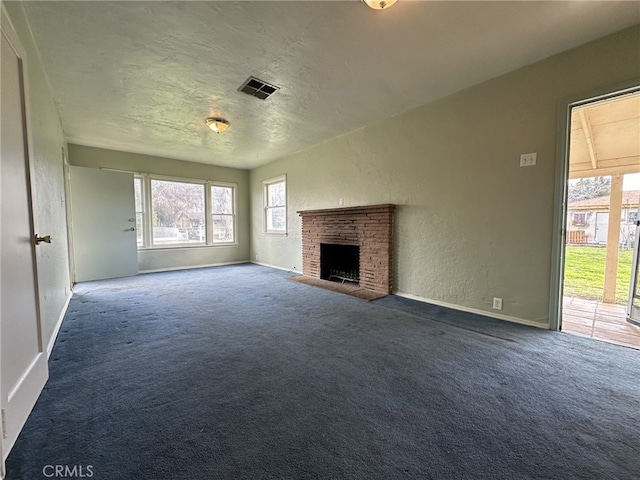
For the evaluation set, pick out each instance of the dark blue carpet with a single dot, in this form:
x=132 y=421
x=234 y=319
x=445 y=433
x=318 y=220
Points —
x=235 y=373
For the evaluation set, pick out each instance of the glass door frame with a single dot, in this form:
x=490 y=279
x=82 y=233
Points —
x=562 y=175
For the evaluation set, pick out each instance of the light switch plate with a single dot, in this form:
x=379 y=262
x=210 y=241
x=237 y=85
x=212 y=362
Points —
x=528 y=159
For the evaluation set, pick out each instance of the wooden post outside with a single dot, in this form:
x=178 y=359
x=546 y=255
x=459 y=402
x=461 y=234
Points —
x=613 y=239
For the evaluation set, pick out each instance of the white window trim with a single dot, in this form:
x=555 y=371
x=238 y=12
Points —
x=145 y=204
x=234 y=200
x=148 y=212
x=265 y=206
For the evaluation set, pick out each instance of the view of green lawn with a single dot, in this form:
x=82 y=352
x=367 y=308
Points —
x=584 y=273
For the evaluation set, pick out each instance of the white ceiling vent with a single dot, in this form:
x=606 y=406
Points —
x=258 y=88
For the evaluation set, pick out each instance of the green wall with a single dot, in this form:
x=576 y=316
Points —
x=46 y=147
x=163 y=259
x=470 y=224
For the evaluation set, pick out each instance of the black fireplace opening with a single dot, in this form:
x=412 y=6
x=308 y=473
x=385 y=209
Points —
x=340 y=263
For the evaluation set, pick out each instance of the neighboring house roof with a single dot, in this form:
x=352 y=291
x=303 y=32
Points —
x=629 y=199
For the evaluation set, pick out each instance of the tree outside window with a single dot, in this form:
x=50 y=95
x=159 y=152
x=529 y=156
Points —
x=177 y=212
x=182 y=213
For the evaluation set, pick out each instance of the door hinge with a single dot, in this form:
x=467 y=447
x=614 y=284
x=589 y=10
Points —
x=4 y=423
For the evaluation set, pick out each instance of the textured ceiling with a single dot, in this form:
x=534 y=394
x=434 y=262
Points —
x=143 y=76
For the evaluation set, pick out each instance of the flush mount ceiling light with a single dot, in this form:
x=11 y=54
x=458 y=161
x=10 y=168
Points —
x=218 y=125
x=379 y=4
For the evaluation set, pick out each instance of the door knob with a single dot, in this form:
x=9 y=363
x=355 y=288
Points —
x=46 y=239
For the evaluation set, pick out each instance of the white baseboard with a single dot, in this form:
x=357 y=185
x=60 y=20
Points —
x=452 y=306
x=172 y=269
x=290 y=270
x=56 y=330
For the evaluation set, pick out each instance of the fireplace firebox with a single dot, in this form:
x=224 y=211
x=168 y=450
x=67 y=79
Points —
x=340 y=263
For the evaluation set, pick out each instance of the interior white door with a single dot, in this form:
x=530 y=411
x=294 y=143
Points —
x=103 y=223
x=23 y=360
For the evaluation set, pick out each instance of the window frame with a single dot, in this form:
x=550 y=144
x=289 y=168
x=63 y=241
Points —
x=267 y=207
x=233 y=215
x=140 y=227
x=176 y=244
x=147 y=223
x=579 y=219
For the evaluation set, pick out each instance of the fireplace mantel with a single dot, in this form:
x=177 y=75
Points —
x=370 y=227
x=382 y=208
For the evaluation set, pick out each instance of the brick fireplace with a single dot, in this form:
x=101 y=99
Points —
x=369 y=228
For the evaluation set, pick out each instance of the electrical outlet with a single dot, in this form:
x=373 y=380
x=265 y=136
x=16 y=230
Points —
x=528 y=159
x=497 y=303
x=341 y=201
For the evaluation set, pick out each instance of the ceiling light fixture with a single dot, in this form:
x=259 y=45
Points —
x=379 y=4
x=218 y=125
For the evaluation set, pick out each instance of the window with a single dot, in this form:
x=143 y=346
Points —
x=579 y=219
x=632 y=216
x=222 y=214
x=182 y=213
x=139 y=195
x=275 y=205
x=177 y=212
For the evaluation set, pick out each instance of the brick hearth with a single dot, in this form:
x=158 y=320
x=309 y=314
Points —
x=368 y=227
